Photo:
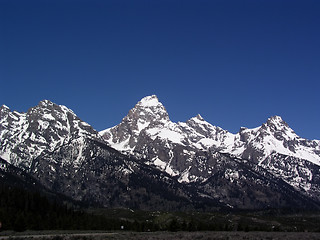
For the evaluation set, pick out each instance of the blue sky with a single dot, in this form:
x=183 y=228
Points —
x=234 y=62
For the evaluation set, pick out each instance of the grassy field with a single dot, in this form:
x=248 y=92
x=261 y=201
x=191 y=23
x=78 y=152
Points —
x=163 y=235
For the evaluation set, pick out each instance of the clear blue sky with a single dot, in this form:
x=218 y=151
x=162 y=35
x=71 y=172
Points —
x=234 y=62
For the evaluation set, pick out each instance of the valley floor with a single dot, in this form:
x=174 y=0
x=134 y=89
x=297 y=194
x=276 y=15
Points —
x=160 y=235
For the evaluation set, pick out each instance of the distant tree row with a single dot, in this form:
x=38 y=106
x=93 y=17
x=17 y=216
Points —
x=22 y=209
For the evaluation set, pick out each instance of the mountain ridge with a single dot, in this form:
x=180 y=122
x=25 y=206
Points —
x=150 y=162
x=275 y=127
x=173 y=147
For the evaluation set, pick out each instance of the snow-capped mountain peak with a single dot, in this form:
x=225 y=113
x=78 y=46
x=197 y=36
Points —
x=274 y=137
x=4 y=110
x=24 y=136
x=4 y=107
x=276 y=123
x=149 y=101
x=197 y=118
x=46 y=103
x=275 y=119
x=149 y=109
x=147 y=113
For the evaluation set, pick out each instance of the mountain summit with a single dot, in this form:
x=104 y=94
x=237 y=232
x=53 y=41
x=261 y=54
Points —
x=147 y=113
x=150 y=110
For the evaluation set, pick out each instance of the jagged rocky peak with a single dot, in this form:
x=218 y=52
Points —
x=46 y=106
x=4 y=110
x=46 y=103
x=4 y=107
x=147 y=113
x=200 y=121
x=24 y=136
x=199 y=124
x=149 y=109
x=149 y=101
x=197 y=118
x=53 y=121
x=276 y=122
x=277 y=126
x=45 y=115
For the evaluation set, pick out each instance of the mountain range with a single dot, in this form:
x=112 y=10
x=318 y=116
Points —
x=149 y=162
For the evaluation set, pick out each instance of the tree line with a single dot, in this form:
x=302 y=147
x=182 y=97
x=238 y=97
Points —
x=22 y=209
